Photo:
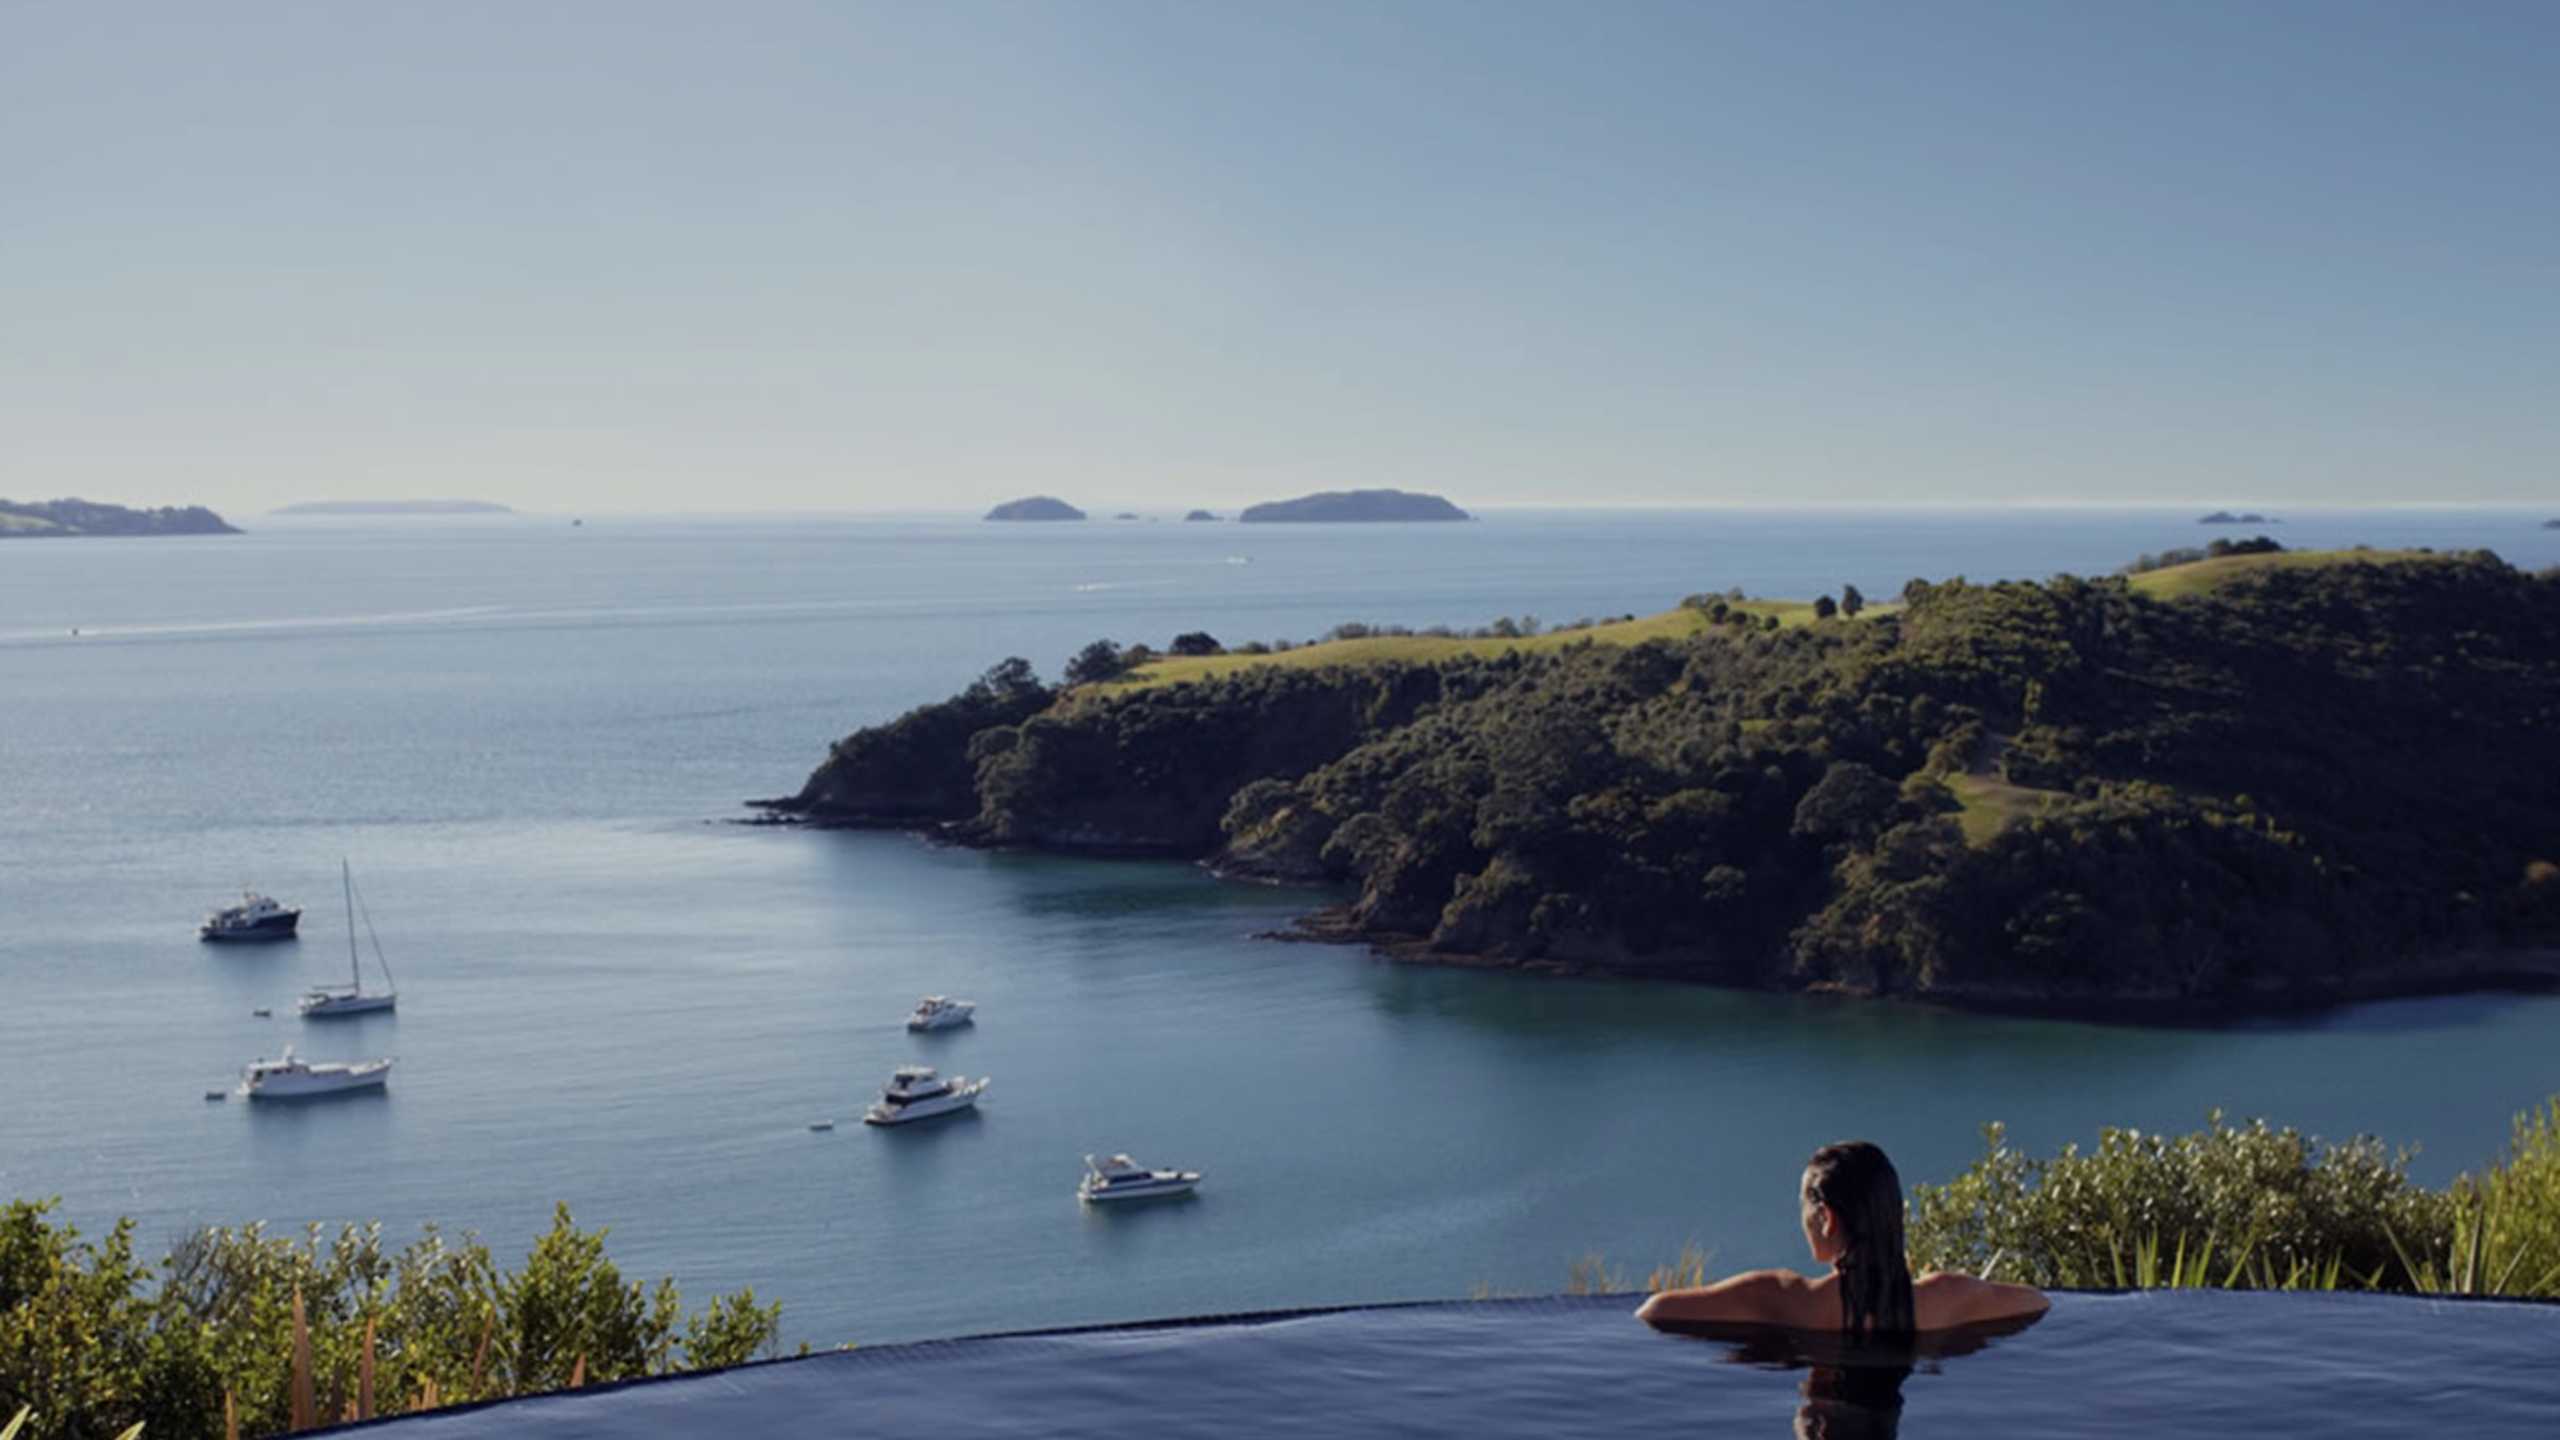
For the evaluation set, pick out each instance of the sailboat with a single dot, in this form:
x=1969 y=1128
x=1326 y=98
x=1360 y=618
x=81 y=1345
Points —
x=352 y=998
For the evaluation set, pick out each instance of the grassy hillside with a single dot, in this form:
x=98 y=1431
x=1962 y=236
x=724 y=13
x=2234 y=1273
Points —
x=1677 y=624
x=2203 y=576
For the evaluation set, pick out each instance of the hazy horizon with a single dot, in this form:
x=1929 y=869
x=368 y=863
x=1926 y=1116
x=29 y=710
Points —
x=873 y=258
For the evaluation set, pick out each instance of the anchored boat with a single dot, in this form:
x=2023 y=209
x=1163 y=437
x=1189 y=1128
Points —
x=915 y=1093
x=935 y=1012
x=352 y=998
x=291 y=1078
x=255 y=918
x=1121 y=1178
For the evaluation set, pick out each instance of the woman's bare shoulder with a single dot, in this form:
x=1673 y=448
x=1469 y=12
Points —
x=1944 y=1299
x=1765 y=1297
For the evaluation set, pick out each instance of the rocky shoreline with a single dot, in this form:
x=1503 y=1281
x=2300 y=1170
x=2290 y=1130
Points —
x=2526 y=971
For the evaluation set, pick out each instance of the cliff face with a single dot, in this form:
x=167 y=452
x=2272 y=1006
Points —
x=921 y=768
x=1157 y=776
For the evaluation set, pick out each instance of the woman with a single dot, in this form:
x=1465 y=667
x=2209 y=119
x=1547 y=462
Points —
x=1853 y=1222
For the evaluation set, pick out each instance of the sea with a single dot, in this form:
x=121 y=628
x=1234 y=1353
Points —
x=531 y=740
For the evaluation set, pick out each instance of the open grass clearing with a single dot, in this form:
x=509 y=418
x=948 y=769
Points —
x=1991 y=802
x=2201 y=576
x=1429 y=649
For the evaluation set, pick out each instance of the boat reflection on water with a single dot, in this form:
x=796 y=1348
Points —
x=1852 y=1389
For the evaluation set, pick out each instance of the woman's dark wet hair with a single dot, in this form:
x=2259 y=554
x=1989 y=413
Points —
x=1859 y=1184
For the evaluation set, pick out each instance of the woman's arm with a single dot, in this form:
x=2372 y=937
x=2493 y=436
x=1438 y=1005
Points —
x=1765 y=1297
x=1943 y=1299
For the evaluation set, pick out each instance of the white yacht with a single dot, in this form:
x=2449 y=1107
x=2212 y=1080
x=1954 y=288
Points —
x=934 y=1012
x=255 y=918
x=1121 y=1178
x=352 y=998
x=916 y=1093
x=291 y=1078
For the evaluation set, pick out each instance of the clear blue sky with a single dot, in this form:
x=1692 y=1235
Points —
x=931 y=255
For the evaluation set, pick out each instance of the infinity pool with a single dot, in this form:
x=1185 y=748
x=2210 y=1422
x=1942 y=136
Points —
x=2148 y=1364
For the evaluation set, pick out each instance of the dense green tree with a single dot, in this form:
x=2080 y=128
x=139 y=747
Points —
x=1102 y=660
x=1196 y=642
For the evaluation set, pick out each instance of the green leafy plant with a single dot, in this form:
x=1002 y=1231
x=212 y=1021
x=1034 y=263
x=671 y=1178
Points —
x=247 y=1333
x=2249 y=1207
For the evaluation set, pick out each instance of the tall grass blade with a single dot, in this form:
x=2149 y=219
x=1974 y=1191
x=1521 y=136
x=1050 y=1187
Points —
x=2421 y=1278
x=480 y=1361
x=2470 y=1282
x=16 y=1423
x=304 y=1414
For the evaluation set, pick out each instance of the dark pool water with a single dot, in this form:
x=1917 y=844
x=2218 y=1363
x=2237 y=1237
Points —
x=2191 y=1363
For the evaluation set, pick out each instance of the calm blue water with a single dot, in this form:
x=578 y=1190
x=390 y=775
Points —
x=2162 y=1363
x=524 y=736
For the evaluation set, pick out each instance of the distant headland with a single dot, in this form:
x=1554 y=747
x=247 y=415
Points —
x=1341 y=506
x=2186 y=791
x=31 y=518
x=1036 y=507
x=393 y=507
x=2243 y=517
x=1212 y=515
x=2551 y=524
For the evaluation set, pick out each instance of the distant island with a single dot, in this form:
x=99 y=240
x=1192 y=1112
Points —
x=2245 y=517
x=394 y=507
x=1341 y=506
x=27 y=519
x=2551 y=524
x=1035 y=507
x=2190 y=791
x=1207 y=515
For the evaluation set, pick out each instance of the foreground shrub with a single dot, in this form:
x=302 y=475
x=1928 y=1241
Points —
x=274 y=1330
x=2248 y=1206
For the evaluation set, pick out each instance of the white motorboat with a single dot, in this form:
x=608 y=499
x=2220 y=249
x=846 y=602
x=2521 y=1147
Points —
x=292 y=1078
x=352 y=998
x=1121 y=1178
x=255 y=918
x=917 y=1093
x=935 y=1012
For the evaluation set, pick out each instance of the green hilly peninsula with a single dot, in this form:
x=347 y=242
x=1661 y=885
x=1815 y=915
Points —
x=20 y=519
x=2257 y=780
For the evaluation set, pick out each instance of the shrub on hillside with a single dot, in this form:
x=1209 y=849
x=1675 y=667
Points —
x=1102 y=660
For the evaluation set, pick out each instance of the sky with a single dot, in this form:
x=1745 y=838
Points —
x=852 y=256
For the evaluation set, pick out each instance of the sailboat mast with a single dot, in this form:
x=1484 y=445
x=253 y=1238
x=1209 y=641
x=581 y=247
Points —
x=347 y=881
